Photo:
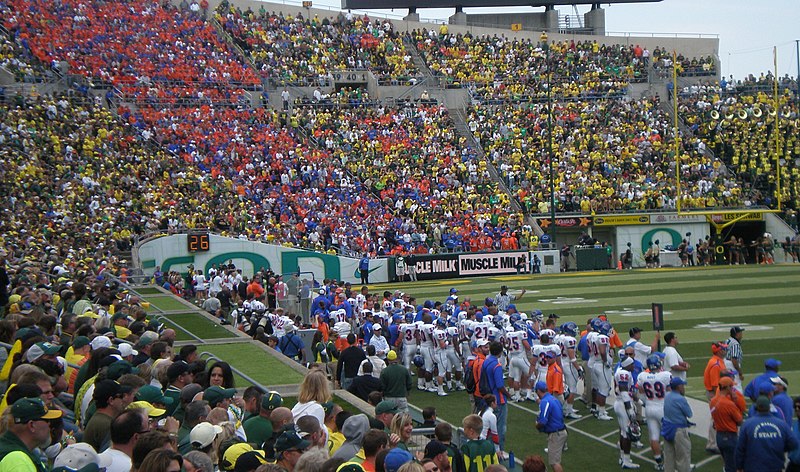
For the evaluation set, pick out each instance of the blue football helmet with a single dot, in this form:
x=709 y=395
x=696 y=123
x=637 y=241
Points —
x=605 y=328
x=653 y=362
x=570 y=328
x=418 y=361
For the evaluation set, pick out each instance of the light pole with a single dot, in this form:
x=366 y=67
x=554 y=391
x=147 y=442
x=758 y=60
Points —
x=546 y=47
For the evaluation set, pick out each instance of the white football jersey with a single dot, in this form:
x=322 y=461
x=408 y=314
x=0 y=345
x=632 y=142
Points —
x=622 y=376
x=338 y=315
x=539 y=352
x=594 y=348
x=566 y=343
x=654 y=385
x=515 y=342
x=426 y=335
x=440 y=336
x=408 y=332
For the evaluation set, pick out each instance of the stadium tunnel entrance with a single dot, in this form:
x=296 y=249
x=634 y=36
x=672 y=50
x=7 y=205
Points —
x=748 y=231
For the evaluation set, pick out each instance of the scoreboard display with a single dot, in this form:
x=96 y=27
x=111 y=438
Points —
x=198 y=242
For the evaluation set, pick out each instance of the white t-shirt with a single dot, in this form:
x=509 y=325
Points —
x=640 y=350
x=671 y=359
x=489 y=426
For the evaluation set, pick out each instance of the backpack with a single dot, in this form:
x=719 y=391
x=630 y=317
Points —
x=483 y=383
x=469 y=378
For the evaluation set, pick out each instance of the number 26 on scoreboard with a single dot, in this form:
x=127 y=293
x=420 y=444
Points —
x=198 y=242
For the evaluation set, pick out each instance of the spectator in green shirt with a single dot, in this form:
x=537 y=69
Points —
x=478 y=453
x=396 y=382
x=259 y=428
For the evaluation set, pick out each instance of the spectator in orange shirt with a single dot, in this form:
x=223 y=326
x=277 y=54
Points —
x=711 y=376
x=255 y=288
x=727 y=409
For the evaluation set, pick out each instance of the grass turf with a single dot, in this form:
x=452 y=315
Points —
x=255 y=363
x=197 y=324
x=700 y=305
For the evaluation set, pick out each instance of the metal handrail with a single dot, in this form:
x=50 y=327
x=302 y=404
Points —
x=241 y=374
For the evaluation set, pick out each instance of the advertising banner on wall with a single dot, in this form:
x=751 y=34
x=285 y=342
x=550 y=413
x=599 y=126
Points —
x=667 y=235
x=450 y=265
x=436 y=266
x=173 y=253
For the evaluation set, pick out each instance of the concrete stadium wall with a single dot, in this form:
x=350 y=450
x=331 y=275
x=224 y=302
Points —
x=171 y=253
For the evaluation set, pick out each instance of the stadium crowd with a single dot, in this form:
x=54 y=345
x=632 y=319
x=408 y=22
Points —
x=503 y=69
x=305 y=51
x=611 y=155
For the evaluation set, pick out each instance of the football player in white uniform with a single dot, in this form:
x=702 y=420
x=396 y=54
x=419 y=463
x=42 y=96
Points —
x=440 y=342
x=409 y=340
x=425 y=330
x=602 y=381
x=629 y=431
x=653 y=385
x=453 y=356
x=569 y=363
x=519 y=366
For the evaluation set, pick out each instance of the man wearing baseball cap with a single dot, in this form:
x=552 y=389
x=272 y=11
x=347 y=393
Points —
x=218 y=396
x=109 y=397
x=727 y=410
x=259 y=428
x=675 y=427
x=288 y=448
x=29 y=430
x=551 y=422
x=711 y=376
x=396 y=382
x=771 y=367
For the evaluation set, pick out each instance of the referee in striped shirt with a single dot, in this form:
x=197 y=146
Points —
x=733 y=360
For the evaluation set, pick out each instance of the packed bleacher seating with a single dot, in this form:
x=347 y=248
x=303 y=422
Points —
x=127 y=42
x=704 y=66
x=611 y=155
x=500 y=68
x=305 y=51
x=411 y=157
x=736 y=120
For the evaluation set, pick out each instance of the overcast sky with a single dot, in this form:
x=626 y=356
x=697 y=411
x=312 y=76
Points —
x=747 y=29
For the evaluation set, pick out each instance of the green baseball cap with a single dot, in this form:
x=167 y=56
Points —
x=32 y=409
x=214 y=395
x=152 y=394
x=271 y=400
x=80 y=341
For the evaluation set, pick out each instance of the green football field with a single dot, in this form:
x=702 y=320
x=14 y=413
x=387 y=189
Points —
x=700 y=305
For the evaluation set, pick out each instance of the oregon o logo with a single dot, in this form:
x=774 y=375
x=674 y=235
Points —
x=719 y=249
x=650 y=236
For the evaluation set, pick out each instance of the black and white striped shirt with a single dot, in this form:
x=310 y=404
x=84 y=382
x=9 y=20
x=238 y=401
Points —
x=734 y=351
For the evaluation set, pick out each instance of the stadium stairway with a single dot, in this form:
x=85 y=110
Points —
x=460 y=122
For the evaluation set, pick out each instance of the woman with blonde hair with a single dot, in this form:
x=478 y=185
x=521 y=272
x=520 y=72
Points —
x=402 y=427
x=314 y=391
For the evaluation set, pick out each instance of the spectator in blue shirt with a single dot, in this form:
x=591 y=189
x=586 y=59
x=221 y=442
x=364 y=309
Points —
x=291 y=345
x=771 y=367
x=675 y=428
x=768 y=390
x=794 y=456
x=494 y=370
x=764 y=441
x=551 y=422
x=781 y=398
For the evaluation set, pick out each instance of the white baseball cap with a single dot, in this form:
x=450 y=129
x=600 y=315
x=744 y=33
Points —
x=79 y=455
x=203 y=434
x=376 y=326
x=482 y=342
x=126 y=350
x=100 y=341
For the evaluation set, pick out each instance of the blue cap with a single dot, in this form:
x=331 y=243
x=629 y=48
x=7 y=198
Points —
x=660 y=354
x=540 y=386
x=511 y=307
x=765 y=388
x=772 y=363
x=396 y=458
x=676 y=381
x=453 y=290
x=550 y=354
